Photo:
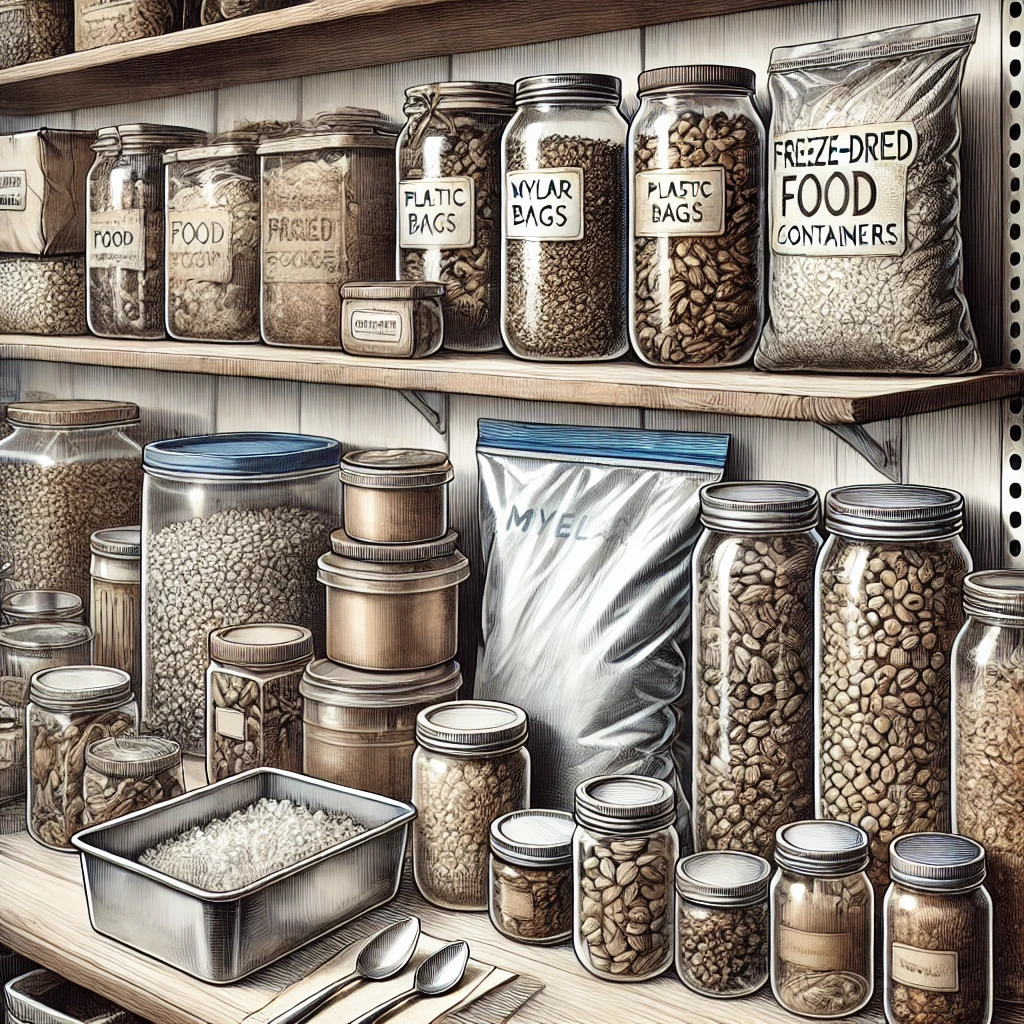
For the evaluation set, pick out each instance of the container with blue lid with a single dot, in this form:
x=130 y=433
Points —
x=245 y=454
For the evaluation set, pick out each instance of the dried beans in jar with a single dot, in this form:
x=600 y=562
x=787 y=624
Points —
x=33 y=30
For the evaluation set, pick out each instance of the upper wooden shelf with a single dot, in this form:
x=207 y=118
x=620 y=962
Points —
x=319 y=36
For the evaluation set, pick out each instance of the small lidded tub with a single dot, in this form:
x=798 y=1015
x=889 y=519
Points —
x=32 y=606
x=400 y=319
x=125 y=774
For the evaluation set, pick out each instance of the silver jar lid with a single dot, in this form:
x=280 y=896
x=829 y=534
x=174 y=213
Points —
x=261 y=644
x=478 y=96
x=396 y=468
x=126 y=757
x=996 y=593
x=28 y=606
x=725 y=878
x=412 y=551
x=534 y=838
x=624 y=804
x=336 y=685
x=472 y=727
x=568 y=88
x=45 y=636
x=392 y=290
x=697 y=76
x=392 y=577
x=761 y=506
x=882 y=511
x=829 y=849
x=117 y=542
x=71 y=413
x=141 y=137
x=936 y=861
x=86 y=687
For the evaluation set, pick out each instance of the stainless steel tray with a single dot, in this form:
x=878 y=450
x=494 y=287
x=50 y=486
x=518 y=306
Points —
x=220 y=937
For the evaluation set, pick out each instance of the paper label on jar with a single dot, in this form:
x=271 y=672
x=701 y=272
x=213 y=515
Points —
x=91 y=11
x=375 y=325
x=436 y=211
x=117 y=239
x=818 y=951
x=302 y=247
x=199 y=246
x=544 y=206
x=683 y=202
x=516 y=904
x=13 y=191
x=841 y=191
x=928 y=969
x=230 y=723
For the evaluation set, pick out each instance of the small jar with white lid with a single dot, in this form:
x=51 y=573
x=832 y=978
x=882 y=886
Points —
x=34 y=606
x=393 y=319
x=126 y=774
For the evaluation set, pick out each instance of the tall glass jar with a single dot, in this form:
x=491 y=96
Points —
x=753 y=663
x=470 y=767
x=625 y=845
x=888 y=608
x=822 y=920
x=67 y=469
x=563 y=274
x=988 y=743
x=100 y=23
x=449 y=202
x=232 y=525
x=116 y=604
x=937 y=932
x=696 y=295
x=125 y=229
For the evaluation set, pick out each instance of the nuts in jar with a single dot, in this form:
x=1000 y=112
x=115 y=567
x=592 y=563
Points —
x=401 y=319
x=125 y=774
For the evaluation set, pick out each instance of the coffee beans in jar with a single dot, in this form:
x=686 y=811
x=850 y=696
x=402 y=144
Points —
x=563 y=276
x=890 y=585
x=126 y=774
x=696 y=271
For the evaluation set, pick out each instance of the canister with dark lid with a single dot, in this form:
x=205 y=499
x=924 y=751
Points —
x=24 y=607
x=401 y=319
x=115 y=607
x=126 y=774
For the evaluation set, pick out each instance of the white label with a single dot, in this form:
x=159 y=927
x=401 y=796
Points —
x=229 y=722
x=13 y=191
x=818 y=951
x=103 y=10
x=688 y=201
x=117 y=238
x=374 y=325
x=516 y=904
x=199 y=245
x=303 y=246
x=436 y=211
x=841 y=191
x=544 y=206
x=931 y=970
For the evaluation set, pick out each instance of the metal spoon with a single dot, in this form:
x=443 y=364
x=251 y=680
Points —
x=438 y=974
x=383 y=956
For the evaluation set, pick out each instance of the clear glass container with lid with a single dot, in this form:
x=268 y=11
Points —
x=397 y=319
x=624 y=852
x=231 y=529
x=116 y=600
x=888 y=608
x=722 y=923
x=28 y=648
x=100 y=23
x=530 y=896
x=125 y=774
x=253 y=704
x=35 y=31
x=70 y=708
x=822 y=920
x=67 y=469
x=33 y=606
x=449 y=202
x=753 y=663
x=937 y=932
x=696 y=293
x=470 y=767
x=563 y=273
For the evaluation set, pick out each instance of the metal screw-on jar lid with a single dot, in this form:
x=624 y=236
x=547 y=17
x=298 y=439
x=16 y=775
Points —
x=396 y=468
x=624 y=804
x=568 y=88
x=363 y=577
x=392 y=290
x=124 y=757
x=28 y=606
x=117 y=542
x=337 y=685
x=759 y=507
x=936 y=861
x=829 y=849
x=86 y=687
x=471 y=727
x=139 y=137
x=72 y=412
x=995 y=593
x=482 y=96
x=710 y=76
x=881 y=511
x=45 y=636
x=243 y=454
x=536 y=838
x=414 y=551
x=261 y=644
x=723 y=878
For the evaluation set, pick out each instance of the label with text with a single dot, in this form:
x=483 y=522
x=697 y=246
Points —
x=199 y=246
x=13 y=191
x=302 y=247
x=104 y=10
x=117 y=239
x=436 y=211
x=230 y=723
x=818 y=951
x=928 y=969
x=544 y=206
x=375 y=325
x=687 y=201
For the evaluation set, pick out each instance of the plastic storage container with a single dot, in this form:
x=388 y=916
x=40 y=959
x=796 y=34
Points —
x=35 y=30
x=398 y=319
x=116 y=601
x=232 y=527
x=24 y=607
x=696 y=295
x=28 y=648
x=100 y=23
x=563 y=273
x=123 y=775
x=41 y=997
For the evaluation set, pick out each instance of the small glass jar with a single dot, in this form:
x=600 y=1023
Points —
x=938 y=932
x=100 y=23
x=888 y=608
x=32 y=30
x=125 y=228
x=530 y=897
x=25 y=607
x=125 y=774
x=470 y=767
x=115 y=606
x=253 y=704
x=449 y=202
x=12 y=751
x=696 y=295
x=722 y=923
x=563 y=274
x=822 y=920
x=398 y=319
x=625 y=844
x=69 y=708
x=26 y=649
x=753 y=663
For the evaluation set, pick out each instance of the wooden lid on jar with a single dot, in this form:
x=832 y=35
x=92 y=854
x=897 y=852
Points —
x=72 y=412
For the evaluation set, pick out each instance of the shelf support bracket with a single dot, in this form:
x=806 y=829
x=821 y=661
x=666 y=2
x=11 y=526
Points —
x=432 y=406
x=887 y=458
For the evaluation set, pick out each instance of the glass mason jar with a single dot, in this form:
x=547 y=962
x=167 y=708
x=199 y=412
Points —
x=99 y=22
x=449 y=202
x=116 y=601
x=253 y=704
x=28 y=648
x=938 y=932
x=625 y=843
x=328 y=217
x=888 y=608
x=125 y=229
x=35 y=30
x=67 y=469
x=696 y=295
x=470 y=767
x=231 y=528
x=26 y=607
x=753 y=663
x=68 y=709
x=722 y=923
x=563 y=274
x=12 y=750
x=125 y=774
x=822 y=920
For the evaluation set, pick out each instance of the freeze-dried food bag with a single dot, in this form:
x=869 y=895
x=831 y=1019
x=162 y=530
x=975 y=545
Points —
x=587 y=534
x=864 y=204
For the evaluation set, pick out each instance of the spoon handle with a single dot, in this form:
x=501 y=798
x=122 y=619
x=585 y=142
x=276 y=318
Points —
x=379 y=1011
x=313 y=1003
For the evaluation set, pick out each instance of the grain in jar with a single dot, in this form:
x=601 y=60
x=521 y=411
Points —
x=33 y=30
x=125 y=774
x=29 y=606
x=28 y=648
x=100 y=22
x=42 y=295
x=115 y=607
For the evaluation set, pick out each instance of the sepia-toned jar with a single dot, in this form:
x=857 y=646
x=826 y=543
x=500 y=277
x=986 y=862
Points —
x=624 y=853
x=393 y=319
x=12 y=751
x=753 y=663
x=100 y=23
x=822 y=920
x=115 y=606
x=449 y=202
x=125 y=774
x=888 y=608
x=28 y=648
x=24 y=607
x=32 y=30
x=213 y=11
x=937 y=932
